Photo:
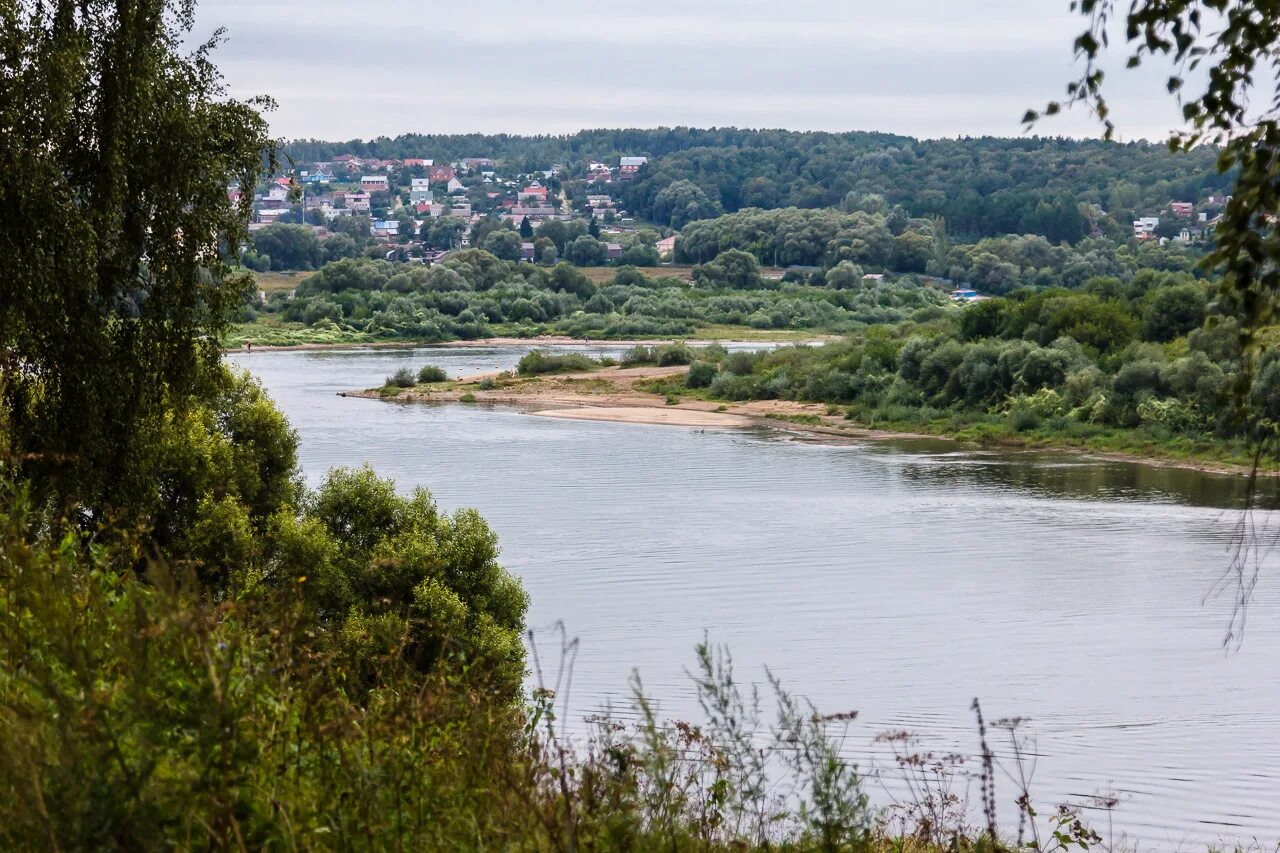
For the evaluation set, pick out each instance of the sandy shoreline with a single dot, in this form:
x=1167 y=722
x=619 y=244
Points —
x=610 y=394
x=543 y=340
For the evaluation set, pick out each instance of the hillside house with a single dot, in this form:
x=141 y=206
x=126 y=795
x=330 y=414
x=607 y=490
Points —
x=455 y=186
x=612 y=251
x=1145 y=228
x=533 y=192
x=1181 y=208
x=440 y=174
x=419 y=191
x=526 y=252
x=374 y=183
x=385 y=229
x=628 y=166
x=541 y=211
x=666 y=246
x=358 y=201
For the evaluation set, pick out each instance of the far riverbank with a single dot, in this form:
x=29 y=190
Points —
x=619 y=394
x=542 y=340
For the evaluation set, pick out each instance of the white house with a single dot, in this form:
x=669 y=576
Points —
x=1145 y=227
x=420 y=191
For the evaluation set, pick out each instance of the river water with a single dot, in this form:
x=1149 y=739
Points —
x=897 y=579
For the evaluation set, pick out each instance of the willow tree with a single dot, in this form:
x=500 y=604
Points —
x=117 y=224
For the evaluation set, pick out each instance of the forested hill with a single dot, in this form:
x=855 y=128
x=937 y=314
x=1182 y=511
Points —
x=980 y=186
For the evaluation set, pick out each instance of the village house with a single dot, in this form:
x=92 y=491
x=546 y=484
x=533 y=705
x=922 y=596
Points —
x=440 y=174
x=455 y=186
x=526 y=251
x=384 y=229
x=1181 y=208
x=612 y=251
x=374 y=183
x=472 y=163
x=533 y=212
x=358 y=202
x=533 y=192
x=461 y=210
x=1145 y=228
x=666 y=246
x=419 y=191
x=628 y=166
x=417 y=162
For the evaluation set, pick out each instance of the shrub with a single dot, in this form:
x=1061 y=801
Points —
x=701 y=374
x=536 y=362
x=402 y=378
x=431 y=373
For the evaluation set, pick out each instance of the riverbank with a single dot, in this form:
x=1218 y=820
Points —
x=539 y=341
x=624 y=395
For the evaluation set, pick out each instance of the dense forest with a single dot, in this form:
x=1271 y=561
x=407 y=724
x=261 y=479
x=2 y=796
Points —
x=1060 y=188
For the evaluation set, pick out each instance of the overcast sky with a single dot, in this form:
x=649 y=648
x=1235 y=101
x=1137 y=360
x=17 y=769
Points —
x=362 y=68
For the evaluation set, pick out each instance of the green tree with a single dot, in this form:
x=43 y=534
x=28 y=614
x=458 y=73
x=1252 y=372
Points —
x=503 y=243
x=732 y=269
x=585 y=251
x=128 y=162
x=526 y=229
x=682 y=202
x=290 y=247
x=1173 y=311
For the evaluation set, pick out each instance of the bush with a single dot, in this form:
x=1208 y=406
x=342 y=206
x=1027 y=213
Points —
x=431 y=373
x=402 y=378
x=536 y=362
x=701 y=374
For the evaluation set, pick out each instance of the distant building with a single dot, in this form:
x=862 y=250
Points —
x=1145 y=228
x=541 y=211
x=873 y=277
x=612 y=251
x=440 y=174
x=1181 y=208
x=374 y=183
x=411 y=162
x=533 y=192
x=462 y=211
x=628 y=166
x=455 y=186
x=357 y=202
x=666 y=246
x=527 y=251
x=965 y=295
x=386 y=228
x=420 y=191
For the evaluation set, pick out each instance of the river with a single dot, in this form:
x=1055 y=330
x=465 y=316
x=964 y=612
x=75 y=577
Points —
x=900 y=579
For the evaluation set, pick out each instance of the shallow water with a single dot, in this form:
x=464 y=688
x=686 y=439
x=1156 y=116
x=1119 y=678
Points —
x=899 y=579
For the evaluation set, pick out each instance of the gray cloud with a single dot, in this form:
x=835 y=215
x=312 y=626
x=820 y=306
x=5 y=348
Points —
x=922 y=67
